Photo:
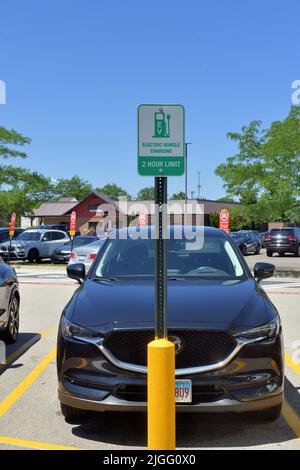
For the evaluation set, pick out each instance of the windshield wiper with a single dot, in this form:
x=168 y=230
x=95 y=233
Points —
x=101 y=278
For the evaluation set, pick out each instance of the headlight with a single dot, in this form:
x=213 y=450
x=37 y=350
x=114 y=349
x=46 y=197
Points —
x=269 y=330
x=70 y=330
x=20 y=247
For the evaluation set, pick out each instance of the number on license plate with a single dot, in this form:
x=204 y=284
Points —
x=183 y=391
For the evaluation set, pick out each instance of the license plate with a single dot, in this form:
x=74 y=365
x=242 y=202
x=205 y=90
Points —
x=81 y=258
x=183 y=391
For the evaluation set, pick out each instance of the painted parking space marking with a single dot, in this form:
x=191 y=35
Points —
x=292 y=364
x=291 y=418
x=34 y=444
x=20 y=389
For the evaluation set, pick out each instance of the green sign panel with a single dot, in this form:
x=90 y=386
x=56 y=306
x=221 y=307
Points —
x=161 y=143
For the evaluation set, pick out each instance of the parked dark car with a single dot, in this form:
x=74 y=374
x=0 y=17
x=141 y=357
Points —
x=62 y=254
x=283 y=240
x=9 y=303
x=4 y=233
x=227 y=332
x=247 y=242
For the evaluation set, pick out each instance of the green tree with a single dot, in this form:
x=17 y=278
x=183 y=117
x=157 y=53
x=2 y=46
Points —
x=113 y=191
x=21 y=190
x=226 y=199
x=265 y=173
x=146 y=194
x=179 y=195
x=9 y=138
x=74 y=187
x=214 y=219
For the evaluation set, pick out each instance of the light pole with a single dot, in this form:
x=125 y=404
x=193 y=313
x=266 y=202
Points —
x=198 y=185
x=186 y=173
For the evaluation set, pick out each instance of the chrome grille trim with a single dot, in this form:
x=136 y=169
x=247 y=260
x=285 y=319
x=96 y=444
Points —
x=178 y=372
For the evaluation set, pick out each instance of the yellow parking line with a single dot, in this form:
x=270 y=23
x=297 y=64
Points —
x=46 y=332
x=34 y=444
x=9 y=401
x=292 y=364
x=291 y=417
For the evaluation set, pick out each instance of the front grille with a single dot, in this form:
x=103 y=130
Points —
x=200 y=347
x=200 y=393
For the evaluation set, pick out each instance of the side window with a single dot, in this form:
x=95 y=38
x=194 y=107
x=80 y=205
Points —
x=47 y=237
x=58 y=236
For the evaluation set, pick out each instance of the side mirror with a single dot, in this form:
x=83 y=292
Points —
x=76 y=271
x=263 y=271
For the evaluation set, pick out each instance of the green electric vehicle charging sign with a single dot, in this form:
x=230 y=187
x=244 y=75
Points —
x=161 y=143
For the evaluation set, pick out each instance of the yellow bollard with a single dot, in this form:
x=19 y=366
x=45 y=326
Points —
x=161 y=395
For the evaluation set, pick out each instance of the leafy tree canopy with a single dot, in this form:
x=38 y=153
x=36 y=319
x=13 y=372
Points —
x=113 y=191
x=265 y=173
x=9 y=138
x=147 y=193
x=179 y=195
x=74 y=187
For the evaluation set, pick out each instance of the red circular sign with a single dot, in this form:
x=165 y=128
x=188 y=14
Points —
x=73 y=216
x=224 y=215
x=13 y=218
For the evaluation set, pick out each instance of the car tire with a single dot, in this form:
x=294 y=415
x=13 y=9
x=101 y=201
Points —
x=269 y=253
x=257 y=251
x=298 y=251
x=11 y=331
x=72 y=414
x=33 y=256
x=281 y=253
x=243 y=250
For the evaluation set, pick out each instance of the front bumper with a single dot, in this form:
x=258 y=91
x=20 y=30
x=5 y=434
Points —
x=253 y=380
x=14 y=255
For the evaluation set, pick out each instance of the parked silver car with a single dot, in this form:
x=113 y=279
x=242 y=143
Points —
x=34 y=245
x=86 y=254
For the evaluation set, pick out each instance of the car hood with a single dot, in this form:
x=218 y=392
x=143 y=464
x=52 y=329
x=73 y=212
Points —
x=126 y=304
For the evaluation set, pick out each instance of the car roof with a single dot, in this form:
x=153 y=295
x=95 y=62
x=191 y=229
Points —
x=42 y=230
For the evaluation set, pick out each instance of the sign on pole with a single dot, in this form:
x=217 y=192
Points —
x=142 y=219
x=224 y=220
x=161 y=141
x=73 y=224
x=161 y=153
x=12 y=224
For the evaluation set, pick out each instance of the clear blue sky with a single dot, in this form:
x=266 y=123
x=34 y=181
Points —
x=76 y=71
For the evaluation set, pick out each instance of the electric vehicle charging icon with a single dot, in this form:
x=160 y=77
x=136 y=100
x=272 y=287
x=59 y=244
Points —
x=161 y=124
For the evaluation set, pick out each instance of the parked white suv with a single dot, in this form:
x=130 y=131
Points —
x=34 y=245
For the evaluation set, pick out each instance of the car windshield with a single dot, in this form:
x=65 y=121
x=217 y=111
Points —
x=79 y=241
x=213 y=258
x=29 y=236
x=283 y=231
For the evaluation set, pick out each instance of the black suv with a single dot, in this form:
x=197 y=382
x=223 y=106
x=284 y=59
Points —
x=283 y=240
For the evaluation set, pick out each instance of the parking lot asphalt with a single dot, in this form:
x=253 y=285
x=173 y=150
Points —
x=30 y=416
x=288 y=262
